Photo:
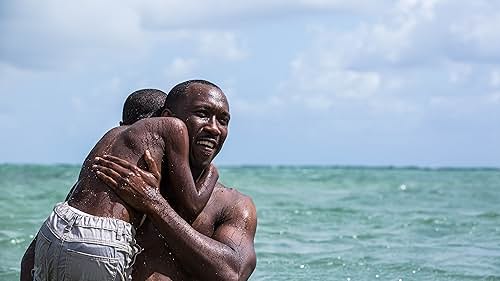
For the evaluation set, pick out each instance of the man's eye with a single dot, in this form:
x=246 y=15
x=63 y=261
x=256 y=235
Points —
x=201 y=113
x=224 y=121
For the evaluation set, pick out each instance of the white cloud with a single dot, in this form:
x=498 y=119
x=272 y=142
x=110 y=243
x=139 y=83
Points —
x=181 y=67
x=69 y=34
x=173 y=14
x=221 y=45
x=459 y=72
x=483 y=104
x=393 y=62
x=98 y=34
x=493 y=98
x=495 y=78
x=479 y=32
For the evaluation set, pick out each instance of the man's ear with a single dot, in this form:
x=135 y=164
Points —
x=167 y=113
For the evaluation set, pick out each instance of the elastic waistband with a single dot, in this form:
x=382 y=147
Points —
x=78 y=218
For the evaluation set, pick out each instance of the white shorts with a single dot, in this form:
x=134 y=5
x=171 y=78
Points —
x=73 y=245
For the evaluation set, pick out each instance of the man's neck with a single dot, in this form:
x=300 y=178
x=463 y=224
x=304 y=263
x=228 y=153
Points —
x=197 y=172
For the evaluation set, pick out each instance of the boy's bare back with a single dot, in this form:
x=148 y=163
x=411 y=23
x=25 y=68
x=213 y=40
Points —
x=94 y=197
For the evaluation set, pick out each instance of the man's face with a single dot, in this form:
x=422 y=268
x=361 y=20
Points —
x=205 y=111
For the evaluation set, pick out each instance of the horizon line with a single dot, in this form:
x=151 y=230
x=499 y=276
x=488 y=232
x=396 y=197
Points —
x=278 y=166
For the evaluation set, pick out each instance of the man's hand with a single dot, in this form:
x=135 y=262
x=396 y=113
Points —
x=135 y=186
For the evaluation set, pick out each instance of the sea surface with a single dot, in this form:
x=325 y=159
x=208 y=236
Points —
x=319 y=223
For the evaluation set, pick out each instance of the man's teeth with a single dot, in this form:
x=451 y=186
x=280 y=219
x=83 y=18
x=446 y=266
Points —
x=206 y=143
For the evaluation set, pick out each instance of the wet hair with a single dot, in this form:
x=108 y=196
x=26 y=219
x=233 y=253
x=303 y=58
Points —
x=142 y=104
x=179 y=91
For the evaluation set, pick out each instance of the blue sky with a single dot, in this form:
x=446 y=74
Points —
x=410 y=82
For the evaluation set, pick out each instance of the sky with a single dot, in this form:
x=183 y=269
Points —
x=309 y=82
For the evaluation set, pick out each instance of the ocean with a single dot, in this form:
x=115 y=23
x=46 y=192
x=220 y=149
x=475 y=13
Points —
x=319 y=223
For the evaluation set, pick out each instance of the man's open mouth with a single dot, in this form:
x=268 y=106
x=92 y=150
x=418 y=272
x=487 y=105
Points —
x=207 y=143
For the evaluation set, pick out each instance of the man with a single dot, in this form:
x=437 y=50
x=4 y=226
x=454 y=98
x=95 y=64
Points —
x=219 y=244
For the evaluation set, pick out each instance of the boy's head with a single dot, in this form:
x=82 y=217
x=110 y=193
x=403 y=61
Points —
x=142 y=104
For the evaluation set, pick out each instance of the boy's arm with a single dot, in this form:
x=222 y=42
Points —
x=191 y=197
x=28 y=262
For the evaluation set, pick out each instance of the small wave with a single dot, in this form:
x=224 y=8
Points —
x=489 y=215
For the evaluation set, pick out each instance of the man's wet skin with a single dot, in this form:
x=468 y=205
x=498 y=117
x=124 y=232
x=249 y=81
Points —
x=219 y=244
x=160 y=262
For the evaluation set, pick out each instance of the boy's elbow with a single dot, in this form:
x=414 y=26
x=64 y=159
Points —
x=178 y=125
x=228 y=273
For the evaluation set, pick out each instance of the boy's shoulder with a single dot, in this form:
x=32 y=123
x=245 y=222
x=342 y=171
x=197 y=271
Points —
x=164 y=121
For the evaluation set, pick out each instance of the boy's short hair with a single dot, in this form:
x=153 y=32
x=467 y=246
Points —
x=142 y=104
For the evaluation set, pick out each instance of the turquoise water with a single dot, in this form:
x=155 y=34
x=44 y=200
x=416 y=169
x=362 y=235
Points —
x=320 y=223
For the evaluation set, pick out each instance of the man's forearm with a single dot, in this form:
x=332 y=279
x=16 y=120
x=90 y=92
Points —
x=28 y=261
x=203 y=256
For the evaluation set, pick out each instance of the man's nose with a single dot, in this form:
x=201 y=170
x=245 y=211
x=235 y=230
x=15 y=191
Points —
x=213 y=126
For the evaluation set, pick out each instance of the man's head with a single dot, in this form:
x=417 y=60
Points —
x=204 y=109
x=142 y=104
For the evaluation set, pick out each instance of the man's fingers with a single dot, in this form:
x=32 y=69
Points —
x=112 y=165
x=107 y=180
x=151 y=164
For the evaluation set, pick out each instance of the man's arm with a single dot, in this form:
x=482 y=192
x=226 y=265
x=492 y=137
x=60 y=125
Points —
x=28 y=262
x=229 y=255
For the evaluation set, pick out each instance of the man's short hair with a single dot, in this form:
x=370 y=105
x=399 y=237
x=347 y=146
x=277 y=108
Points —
x=142 y=104
x=179 y=91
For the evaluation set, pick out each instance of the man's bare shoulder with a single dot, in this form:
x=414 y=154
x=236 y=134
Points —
x=236 y=227
x=235 y=204
x=230 y=193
